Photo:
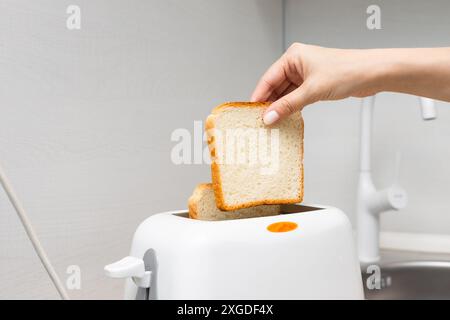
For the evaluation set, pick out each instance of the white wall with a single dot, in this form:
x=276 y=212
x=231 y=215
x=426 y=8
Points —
x=86 y=118
x=332 y=128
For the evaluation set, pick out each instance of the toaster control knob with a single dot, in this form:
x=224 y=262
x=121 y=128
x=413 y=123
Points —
x=130 y=267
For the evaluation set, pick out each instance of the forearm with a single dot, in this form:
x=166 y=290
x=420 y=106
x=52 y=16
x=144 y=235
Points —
x=418 y=71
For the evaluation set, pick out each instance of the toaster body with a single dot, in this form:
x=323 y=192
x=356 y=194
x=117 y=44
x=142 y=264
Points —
x=308 y=252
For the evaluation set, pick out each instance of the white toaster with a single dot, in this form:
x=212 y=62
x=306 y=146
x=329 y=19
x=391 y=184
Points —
x=308 y=252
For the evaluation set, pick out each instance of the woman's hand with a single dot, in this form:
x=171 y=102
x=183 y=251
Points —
x=305 y=74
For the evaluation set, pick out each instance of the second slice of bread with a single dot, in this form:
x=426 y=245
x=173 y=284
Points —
x=247 y=168
x=202 y=206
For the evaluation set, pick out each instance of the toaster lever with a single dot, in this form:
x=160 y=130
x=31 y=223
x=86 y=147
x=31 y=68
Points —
x=130 y=267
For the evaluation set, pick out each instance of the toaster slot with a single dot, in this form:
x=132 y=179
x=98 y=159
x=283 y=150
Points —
x=297 y=208
x=285 y=209
x=182 y=214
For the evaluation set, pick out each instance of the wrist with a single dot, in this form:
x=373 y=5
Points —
x=383 y=70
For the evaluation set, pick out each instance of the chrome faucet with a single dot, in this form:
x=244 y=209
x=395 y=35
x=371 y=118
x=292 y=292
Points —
x=370 y=201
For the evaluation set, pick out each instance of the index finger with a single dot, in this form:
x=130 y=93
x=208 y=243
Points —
x=270 y=81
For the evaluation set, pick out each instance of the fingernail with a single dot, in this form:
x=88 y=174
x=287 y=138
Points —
x=270 y=117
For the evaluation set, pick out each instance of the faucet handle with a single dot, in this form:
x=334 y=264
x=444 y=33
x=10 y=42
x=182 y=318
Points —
x=428 y=108
x=396 y=197
x=392 y=198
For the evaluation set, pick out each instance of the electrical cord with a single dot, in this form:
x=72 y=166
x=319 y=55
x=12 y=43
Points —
x=32 y=235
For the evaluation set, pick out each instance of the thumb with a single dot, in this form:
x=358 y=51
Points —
x=288 y=104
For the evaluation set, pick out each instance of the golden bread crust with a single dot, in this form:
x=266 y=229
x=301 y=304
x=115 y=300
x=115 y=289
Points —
x=194 y=198
x=239 y=104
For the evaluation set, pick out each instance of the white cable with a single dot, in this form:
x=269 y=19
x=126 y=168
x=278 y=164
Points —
x=32 y=235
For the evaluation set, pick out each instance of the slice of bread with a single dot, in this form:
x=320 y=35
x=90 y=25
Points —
x=253 y=164
x=202 y=206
